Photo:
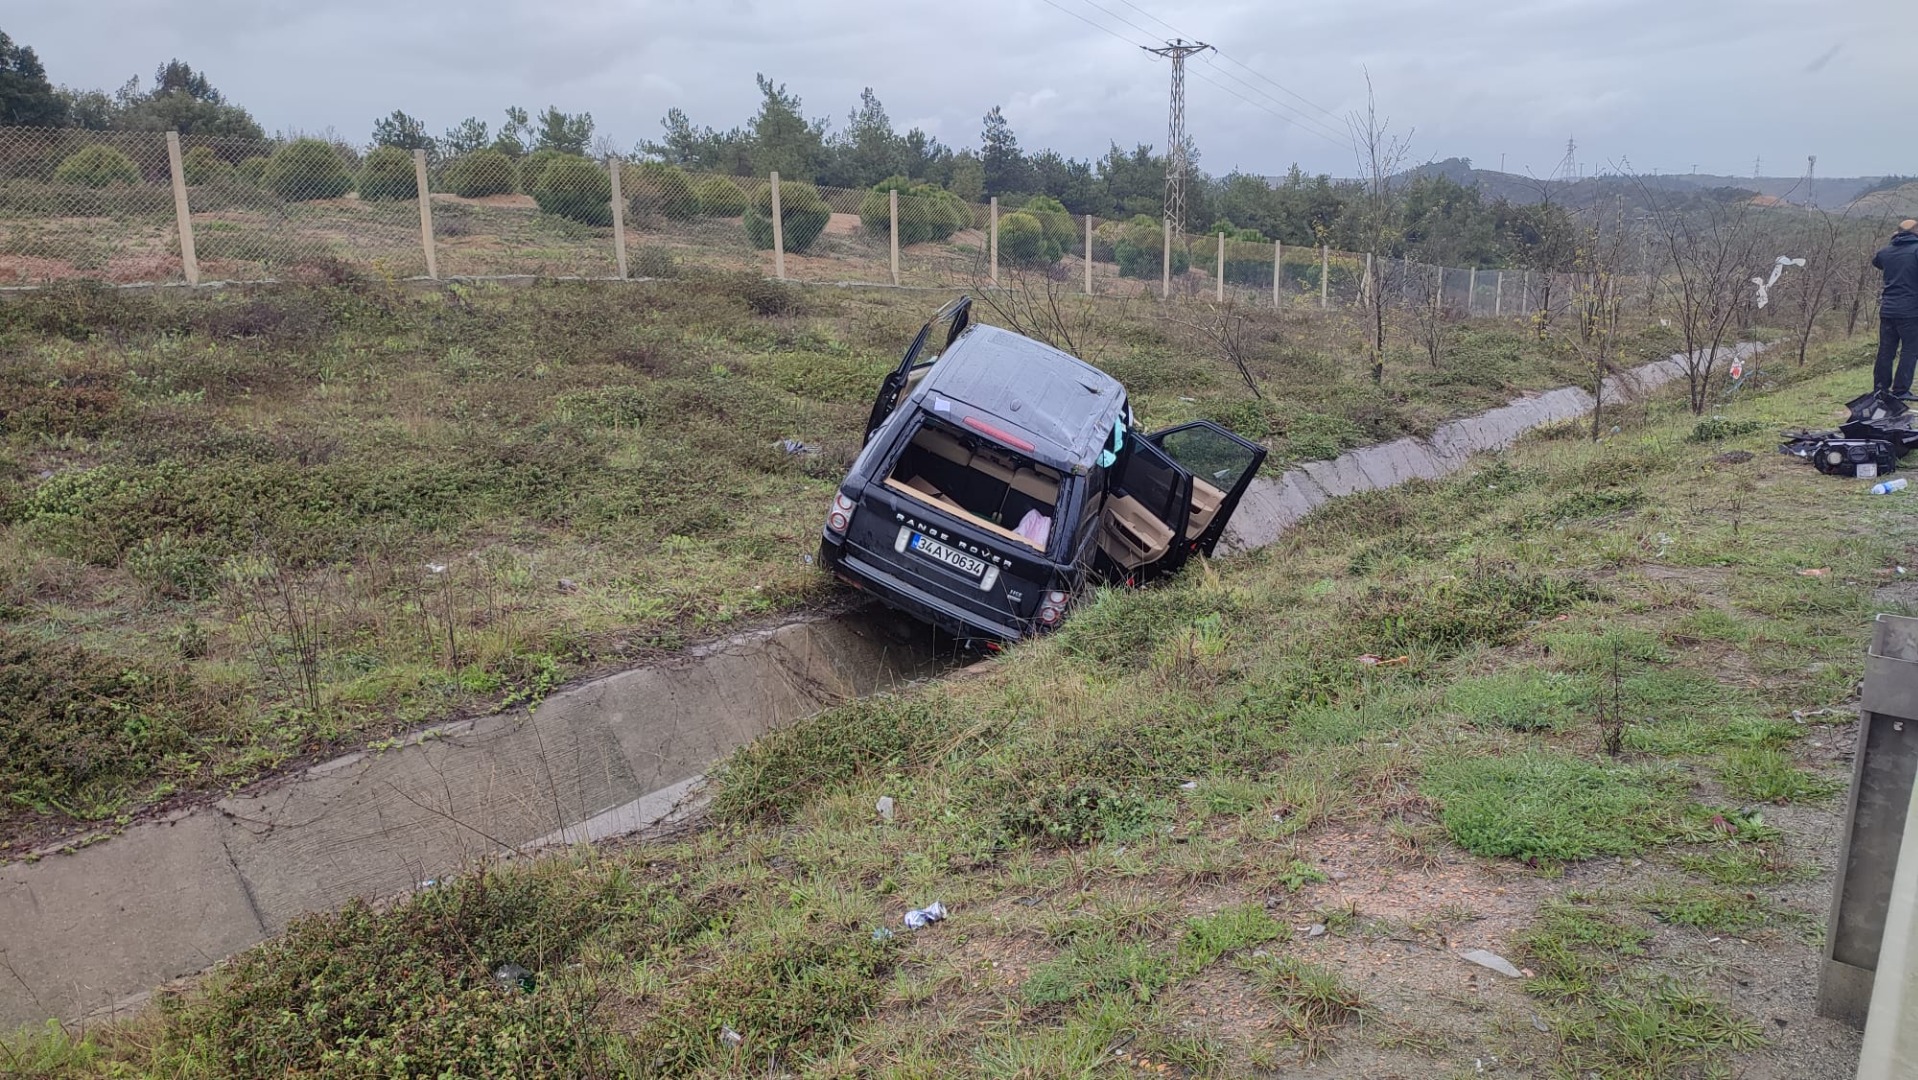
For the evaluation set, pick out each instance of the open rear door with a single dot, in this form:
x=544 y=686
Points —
x=1222 y=465
x=957 y=314
x=1148 y=502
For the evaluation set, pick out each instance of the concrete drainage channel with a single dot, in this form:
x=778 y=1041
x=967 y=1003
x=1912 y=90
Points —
x=608 y=758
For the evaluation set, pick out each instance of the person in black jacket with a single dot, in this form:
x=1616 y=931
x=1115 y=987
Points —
x=1898 y=311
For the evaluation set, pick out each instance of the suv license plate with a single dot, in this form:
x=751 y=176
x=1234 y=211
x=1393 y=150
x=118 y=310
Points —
x=958 y=560
x=927 y=547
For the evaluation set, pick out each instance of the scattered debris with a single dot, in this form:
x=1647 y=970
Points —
x=1486 y=959
x=730 y=1037
x=567 y=585
x=882 y=934
x=1539 y=1024
x=1026 y=901
x=1189 y=785
x=436 y=568
x=795 y=448
x=1886 y=487
x=920 y=918
x=1374 y=661
x=884 y=806
x=510 y=975
x=1821 y=571
x=1317 y=929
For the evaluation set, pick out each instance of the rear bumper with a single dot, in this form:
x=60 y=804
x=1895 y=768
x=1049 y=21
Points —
x=898 y=593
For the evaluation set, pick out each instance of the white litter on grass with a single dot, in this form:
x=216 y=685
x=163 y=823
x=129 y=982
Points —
x=921 y=918
x=884 y=806
x=1492 y=960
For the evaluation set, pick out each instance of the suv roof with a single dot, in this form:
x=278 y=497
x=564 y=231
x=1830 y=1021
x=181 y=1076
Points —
x=1062 y=405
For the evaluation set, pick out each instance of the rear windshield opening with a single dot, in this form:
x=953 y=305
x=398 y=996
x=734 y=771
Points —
x=1011 y=495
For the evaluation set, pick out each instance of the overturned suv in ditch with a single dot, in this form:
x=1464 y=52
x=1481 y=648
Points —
x=1001 y=475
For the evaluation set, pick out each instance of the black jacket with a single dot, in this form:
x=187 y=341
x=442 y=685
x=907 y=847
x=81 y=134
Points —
x=1899 y=261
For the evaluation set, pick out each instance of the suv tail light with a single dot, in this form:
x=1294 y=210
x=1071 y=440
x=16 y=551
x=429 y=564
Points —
x=839 y=519
x=1053 y=608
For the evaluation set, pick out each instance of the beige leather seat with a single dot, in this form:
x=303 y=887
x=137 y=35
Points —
x=1131 y=535
x=942 y=444
x=1036 y=485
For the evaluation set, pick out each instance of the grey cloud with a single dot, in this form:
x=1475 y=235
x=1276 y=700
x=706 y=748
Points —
x=1663 y=82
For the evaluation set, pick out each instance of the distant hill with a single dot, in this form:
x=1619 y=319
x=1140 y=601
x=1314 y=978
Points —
x=1894 y=203
x=1829 y=192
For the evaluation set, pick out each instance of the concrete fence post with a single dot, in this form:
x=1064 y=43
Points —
x=424 y=189
x=1526 y=291
x=1219 y=295
x=995 y=240
x=1870 y=917
x=1325 y=276
x=1278 y=269
x=183 y=217
x=1165 y=259
x=1890 y=1051
x=1088 y=254
x=1471 y=294
x=619 y=216
x=1366 y=285
x=1498 y=296
x=779 y=232
x=893 y=197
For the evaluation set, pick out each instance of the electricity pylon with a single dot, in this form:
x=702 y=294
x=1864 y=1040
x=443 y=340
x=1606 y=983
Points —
x=1175 y=159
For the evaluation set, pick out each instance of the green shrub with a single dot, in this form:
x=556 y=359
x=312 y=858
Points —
x=803 y=216
x=358 y=992
x=575 y=188
x=307 y=169
x=80 y=729
x=388 y=174
x=175 y=568
x=926 y=211
x=252 y=169
x=1140 y=251
x=1023 y=241
x=479 y=174
x=1061 y=235
x=533 y=165
x=202 y=166
x=656 y=190
x=720 y=197
x=98 y=167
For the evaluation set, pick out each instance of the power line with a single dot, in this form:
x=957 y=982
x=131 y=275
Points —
x=1234 y=60
x=1290 y=121
x=1344 y=144
x=1294 y=116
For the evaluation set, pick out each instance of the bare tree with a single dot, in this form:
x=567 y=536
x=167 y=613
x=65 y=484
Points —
x=1711 y=250
x=1225 y=331
x=1605 y=257
x=1821 y=267
x=1037 y=301
x=1380 y=155
x=1429 y=317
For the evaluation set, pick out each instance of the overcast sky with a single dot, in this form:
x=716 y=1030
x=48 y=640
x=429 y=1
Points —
x=1664 y=84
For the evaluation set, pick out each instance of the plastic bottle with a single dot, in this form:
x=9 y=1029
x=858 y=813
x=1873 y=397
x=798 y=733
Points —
x=1889 y=486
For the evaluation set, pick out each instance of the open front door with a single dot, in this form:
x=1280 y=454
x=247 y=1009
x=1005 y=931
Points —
x=957 y=314
x=1222 y=465
x=1148 y=502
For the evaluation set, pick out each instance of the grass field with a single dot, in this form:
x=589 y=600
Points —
x=241 y=529
x=1191 y=834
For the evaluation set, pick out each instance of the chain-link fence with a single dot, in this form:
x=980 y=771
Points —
x=151 y=207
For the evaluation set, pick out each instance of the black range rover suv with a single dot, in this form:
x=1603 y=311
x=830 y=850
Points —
x=1001 y=474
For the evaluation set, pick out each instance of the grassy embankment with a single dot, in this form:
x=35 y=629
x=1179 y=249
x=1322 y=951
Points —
x=245 y=528
x=1191 y=834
